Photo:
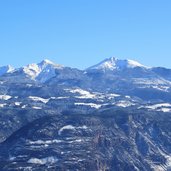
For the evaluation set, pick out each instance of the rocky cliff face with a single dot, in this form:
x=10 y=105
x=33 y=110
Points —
x=104 y=140
x=113 y=116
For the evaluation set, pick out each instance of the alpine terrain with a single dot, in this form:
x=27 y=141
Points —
x=113 y=116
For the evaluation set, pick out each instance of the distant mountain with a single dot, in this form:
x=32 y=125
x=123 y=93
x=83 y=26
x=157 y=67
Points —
x=115 y=115
x=126 y=77
x=6 y=69
x=42 y=71
x=115 y=64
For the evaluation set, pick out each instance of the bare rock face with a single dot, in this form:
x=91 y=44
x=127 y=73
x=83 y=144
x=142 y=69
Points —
x=107 y=140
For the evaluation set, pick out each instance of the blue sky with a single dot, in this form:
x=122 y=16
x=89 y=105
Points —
x=81 y=33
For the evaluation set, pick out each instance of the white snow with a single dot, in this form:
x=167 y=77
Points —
x=58 y=98
x=47 y=61
x=93 y=105
x=67 y=127
x=164 y=110
x=36 y=107
x=163 y=167
x=83 y=93
x=82 y=127
x=42 y=161
x=124 y=103
x=43 y=100
x=163 y=107
x=24 y=106
x=71 y=127
x=5 y=97
x=29 y=85
x=2 y=105
x=39 y=142
x=17 y=103
x=75 y=141
x=168 y=163
x=114 y=63
x=32 y=70
x=111 y=96
x=161 y=87
x=42 y=71
x=35 y=98
x=159 y=105
x=132 y=63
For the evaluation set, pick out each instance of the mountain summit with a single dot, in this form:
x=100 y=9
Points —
x=114 y=63
x=41 y=71
x=6 y=69
x=47 y=62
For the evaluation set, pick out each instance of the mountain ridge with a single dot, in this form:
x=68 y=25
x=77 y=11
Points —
x=113 y=63
x=118 y=63
x=46 y=69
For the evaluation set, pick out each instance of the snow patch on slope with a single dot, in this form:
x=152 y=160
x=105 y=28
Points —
x=92 y=105
x=3 y=105
x=42 y=161
x=67 y=127
x=5 y=97
x=155 y=106
x=37 y=99
x=124 y=103
x=71 y=127
x=163 y=107
x=39 y=142
x=83 y=93
x=18 y=103
x=36 y=107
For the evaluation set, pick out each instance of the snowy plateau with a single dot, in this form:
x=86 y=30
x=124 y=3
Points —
x=113 y=116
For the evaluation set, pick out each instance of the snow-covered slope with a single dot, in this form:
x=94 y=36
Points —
x=114 y=63
x=42 y=71
x=6 y=69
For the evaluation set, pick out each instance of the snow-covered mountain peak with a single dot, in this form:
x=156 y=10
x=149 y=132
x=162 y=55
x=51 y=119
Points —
x=6 y=69
x=43 y=64
x=41 y=71
x=47 y=61
x=32 y=70
x=9 y=68
x=114 y=63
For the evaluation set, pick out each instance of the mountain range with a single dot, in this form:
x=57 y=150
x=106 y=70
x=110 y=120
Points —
x=115 y=115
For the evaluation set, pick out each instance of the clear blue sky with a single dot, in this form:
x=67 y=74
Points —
x=81 y=33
